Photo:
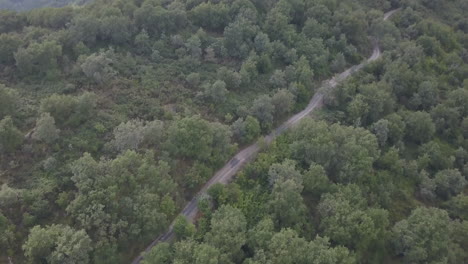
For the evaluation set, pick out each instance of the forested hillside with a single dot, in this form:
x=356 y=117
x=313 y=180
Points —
x=24 y=5
x=114 y=114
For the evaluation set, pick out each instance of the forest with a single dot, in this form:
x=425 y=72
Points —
x=114 y=114
x=25 y=5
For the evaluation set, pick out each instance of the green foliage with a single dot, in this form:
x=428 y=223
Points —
x=10 y=137
x=38 y=58
x=9 y=43
x=123 y=78
x=411 y=239
x=287 y=247
x=449 y=182
x=262 y=109
x=211 y=16
x=346 y=153
x=419 y=127
x=98 y=66
x=283 y=102
x=160 y=254
x=8 y=101
x=287 y=206
x=247 y=130
x=45 y=129
x=228 y=227
x=193 y=137
x=346 y=221
x=114 y=195
x=57 y=244
x=70 y=110
x=182 y=228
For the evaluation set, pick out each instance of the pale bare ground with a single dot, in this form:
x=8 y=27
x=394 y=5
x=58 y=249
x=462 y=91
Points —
x=227 y=173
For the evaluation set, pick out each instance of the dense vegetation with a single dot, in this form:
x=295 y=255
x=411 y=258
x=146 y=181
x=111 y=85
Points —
x=24 y=5
x=113 y=114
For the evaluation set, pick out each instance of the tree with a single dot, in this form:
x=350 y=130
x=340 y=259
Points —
x=143 y=42
x=458 y=206
x=246 y=130
x=11 y=21
x=216 y=92
x=419 y=127
x=280 y=172
x=128 y=136
x=45 y=129
x=182 y=228
x=249 y=70
x=69 y=110
x=193 y=79
x=346 y=153
x=9 y=43
x=339 y=63
x=252 y=129
x=449 y=182
x=38 y=58
x=6 y=229
x=231 y=78
x=129 y=197
x=427 y=95
x=98 y=66
x=424 y=237
x=154 y=133
x=314 y=29
x=277 y=79
x=278 y=27
x=8 y=101
x=304 y=73
x=156 y=19
x=9 y=197
x=239 y=36
x=228 y=231
x=210 y=16
x=286 y=206
x=159 y=254
x=262 y=43
x=283 y=101
x=427 y=186
x=286 y=247
x=396 y=127
x=446 y=120
x=438 y=157
x=459 y=99
x=193 y=47
x=260 y=235
x=116 y=28
x=380 y=129
x=316 y=180
x=193 y=137
x=57 y=244
x=10 y=137
x=262 y=109
x=208 y=254
x=345 y=219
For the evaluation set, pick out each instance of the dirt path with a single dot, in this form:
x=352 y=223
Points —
x=226 y=174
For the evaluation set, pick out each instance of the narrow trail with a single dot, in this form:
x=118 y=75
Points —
x=226 y=174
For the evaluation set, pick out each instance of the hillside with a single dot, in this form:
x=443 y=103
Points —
x=113 y=115
x=25 y=5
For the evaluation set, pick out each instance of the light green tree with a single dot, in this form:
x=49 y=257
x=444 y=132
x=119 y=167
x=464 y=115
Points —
x=45 y=129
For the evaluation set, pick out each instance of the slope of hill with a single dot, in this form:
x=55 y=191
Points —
x=115 y=113
x=25 y=5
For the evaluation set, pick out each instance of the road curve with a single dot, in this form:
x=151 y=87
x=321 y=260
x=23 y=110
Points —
x=226 y=174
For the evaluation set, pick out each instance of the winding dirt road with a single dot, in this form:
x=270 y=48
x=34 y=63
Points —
x=226 y=174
